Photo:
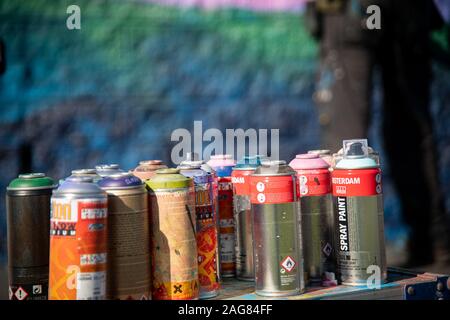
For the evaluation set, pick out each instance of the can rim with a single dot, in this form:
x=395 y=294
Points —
x=31 y=175
x=53 y=186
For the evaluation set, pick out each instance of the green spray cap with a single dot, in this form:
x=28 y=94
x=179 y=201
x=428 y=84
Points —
x=169 y=178
x=31 y=181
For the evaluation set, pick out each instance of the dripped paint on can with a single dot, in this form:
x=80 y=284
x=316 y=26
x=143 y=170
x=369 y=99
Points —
x=78 y=241
x=223 y=165
x=358 y=206
x=173 y=240
x=276 y=233
x=28 y=229
x=147 y=168
x=206 y=226
x=129 y=237
x=317 y=219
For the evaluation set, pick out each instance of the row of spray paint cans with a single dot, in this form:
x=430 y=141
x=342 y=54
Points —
x=316 y=221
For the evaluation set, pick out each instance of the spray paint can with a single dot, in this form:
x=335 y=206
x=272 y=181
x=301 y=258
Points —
x=277 y=246
x=87 y=173
x=129 y=237
x=78 y=241
x=356 y=183
x=104 y=170
x=147 y=168
x=240 y=178
x=316 y=207
x=206 y=226
x=28 y=229
x=173 y=241
x=223 y=165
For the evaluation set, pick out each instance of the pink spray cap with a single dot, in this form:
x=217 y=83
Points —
x=221 y=160
x=308 y=161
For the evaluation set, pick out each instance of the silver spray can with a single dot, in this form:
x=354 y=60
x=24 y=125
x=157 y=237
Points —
x=316 y=206
x=240 y=179
x=276 y=233
x=358 y=205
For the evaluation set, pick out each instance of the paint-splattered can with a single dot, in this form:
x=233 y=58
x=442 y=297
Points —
x=223 y=165
x=147 y=168
x=240 y=178
x=129 y=237
x=316 y=207
x=28 y=229
x=78 y=241
x=192 y=156
x=173 y=241
x=277 y=246
x=356 y=183
x=206 y=226
x=104 y=170
x=87 y=173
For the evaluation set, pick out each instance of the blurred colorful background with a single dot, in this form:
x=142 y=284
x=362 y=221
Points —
x=137 y=70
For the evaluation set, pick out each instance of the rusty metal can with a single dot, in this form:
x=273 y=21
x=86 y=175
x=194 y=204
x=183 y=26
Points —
x=278 y=255
x=173 y=240
x=28 y=229
x=147 y=168
x=78 y=241
x=206 y=226
x=316 y=207
x=129 y=237
x=358 y=206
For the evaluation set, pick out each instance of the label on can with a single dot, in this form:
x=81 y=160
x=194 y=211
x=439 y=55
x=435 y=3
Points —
x=241 y=181
x=272 y=189
x=78 y=243
x=37 y=291
x=207 y=244
x=360 y=237
x=313 y=182
x=174 y=247
x=356 y=183
x=226 y=225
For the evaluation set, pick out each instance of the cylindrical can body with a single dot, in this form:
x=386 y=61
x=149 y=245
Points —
x=206 y=226
x=147 y=168
x=173 y=241
x=129 y=238
x=314 y=185
x=28 y=229
x=223 y=165
x=244 y=225
x=277 y=246
x=240 y=179
x=360 y=224
x=78 y=241
x=357 y=192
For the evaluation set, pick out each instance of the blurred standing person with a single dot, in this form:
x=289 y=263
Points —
x=401 y=48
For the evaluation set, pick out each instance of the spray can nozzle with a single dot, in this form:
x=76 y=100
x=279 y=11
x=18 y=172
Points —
x=355 y=148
